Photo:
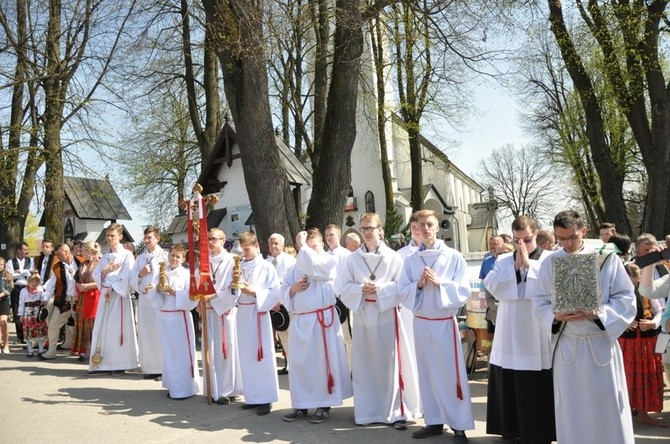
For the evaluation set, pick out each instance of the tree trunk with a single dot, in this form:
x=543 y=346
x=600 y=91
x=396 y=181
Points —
x=417 y=172
x=378 y=59
x=320 y=14
x=610 y=178
x=332 y=176
x=236 y=33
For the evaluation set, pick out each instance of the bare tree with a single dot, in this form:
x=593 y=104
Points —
x=521 y=181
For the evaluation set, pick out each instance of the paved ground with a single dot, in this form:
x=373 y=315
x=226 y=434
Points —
x=53 y=401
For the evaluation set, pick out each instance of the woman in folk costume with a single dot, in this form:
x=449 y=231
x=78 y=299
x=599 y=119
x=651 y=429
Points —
x=87 y=301
x=6 y=285
x=259 y=293
x=225 y=373
x=435 y=287
x=170 y=296
x=114 y=344
x=30 y=302
x=319 y=376
x=644 y=367
x=384 y=377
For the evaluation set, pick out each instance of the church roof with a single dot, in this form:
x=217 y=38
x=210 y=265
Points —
x=222 y=154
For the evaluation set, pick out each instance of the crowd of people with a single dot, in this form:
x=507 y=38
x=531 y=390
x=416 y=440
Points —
x=365 y=321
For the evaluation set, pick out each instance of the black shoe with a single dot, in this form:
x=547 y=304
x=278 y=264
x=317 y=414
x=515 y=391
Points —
x=178 y=399
x=98 y=373
x=264 y=409
x=117 y=372
x=429 y=430
x=223 y=400
x=249 y=406
x=31 y=354
x=151 y=376
x=400 y=425
x=282 y=371
x=320 y=416
x=295 y=415
x=44 y=358
x=82 y=358
x=459 y=437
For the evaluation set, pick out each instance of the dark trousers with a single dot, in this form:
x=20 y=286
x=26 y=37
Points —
x=14 y=298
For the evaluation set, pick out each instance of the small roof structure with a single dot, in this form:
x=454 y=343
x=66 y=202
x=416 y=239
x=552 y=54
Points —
x=93 y=199
x=214 y=218
x=428 y=189
x=222 y=154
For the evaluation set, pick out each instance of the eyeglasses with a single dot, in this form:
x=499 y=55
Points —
x=526 y=240
x=572 y=238
x=368 y=229
x=214 y=239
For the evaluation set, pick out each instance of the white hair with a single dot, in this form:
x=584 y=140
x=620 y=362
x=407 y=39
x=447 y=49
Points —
x=279 y=237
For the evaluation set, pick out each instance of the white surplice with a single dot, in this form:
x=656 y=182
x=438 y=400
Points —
x=443 y=381
x=225 y=374
x=381 y=353
x=519 y=342
x=254 y=332
x=590 y=394
x=180 y=363
x=283 y=263
x=148 y=324
x=318 y=356
x=113 y=335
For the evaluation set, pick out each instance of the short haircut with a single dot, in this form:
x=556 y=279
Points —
x=421 y=214
x=180 y=248
x=279 y=237
x=569 y=219
x=413 y=218
x=645 y=239
x=218 y=232
x=247 y=237
x=20 y=246
x=506 y=238
x=373 y=217
x=353 y=237
x=632 y=270
x=314 y=233
x=115 y=227
x=334 y=227
x=545 y=236
x=622 y=242
x=523 y=222
x=607 y=226
x=153 y=230
x=47 y=241
x=59 y=246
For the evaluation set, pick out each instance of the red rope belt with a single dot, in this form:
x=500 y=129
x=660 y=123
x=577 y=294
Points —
x=322 y=321
x=259 y=315
x=459 y=390
x=188 y=336
x=401 y=383
x=224 y=347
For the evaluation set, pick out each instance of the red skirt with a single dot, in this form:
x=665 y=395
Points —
x=90 y=306
x=644 y=373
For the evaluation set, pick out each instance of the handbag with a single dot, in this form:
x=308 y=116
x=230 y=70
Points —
x=662 y=342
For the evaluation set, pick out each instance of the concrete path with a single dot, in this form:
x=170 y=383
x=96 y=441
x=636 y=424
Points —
x=53 y=401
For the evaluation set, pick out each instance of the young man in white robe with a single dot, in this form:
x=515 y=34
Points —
x=180 y=363
x=520 y=402
x=113 y=342
x=283 y=262
x=225 y=373
x=143 y=274
x=384 y=375
x=259 y=293
x=333 y=234
x=406 y=251
x=319 y=377
x=590 y=393
x=435 y=286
